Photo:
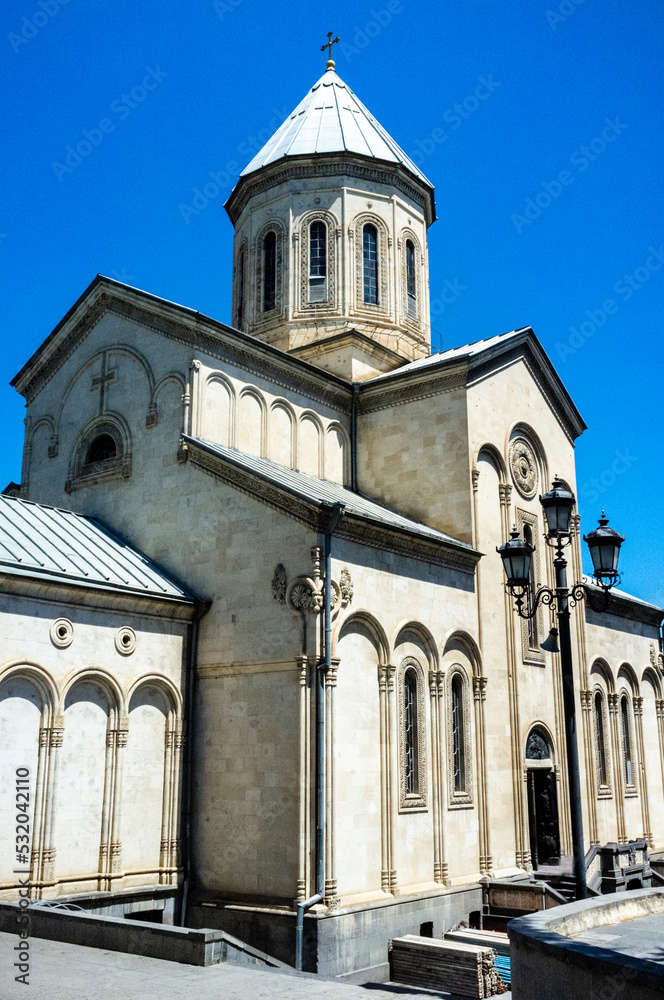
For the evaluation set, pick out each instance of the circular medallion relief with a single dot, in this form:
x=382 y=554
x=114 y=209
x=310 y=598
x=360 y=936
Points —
x=125 y=640
x=62 y=633
x=523 y=466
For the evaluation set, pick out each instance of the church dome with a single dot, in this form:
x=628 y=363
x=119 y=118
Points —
x=330 y=119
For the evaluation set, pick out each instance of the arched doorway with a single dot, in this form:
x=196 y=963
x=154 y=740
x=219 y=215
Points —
x=542 y=799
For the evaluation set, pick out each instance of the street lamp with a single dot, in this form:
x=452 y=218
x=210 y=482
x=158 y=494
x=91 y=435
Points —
x=604 y=544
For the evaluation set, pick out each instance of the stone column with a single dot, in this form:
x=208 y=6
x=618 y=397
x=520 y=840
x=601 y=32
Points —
x=39 y=798
x=392 y=773
x=588 y=744
x=55 y=737
x=165 y=851
x=115 y=859
x=637 y=704
x=331 y=897
x=304 y=783
x=436 y=693
x=479 y=698
x=384 y=779
x=519 y=794
x=659 y=709
x=619 y=779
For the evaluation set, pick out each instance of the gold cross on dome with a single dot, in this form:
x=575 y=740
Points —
x=328 y=45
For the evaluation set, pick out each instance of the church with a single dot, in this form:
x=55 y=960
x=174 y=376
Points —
x=256 y=641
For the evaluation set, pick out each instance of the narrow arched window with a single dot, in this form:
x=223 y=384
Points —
x=317 y=262
x=411 y=283
x=601 y=742
x=410 y=733
x=370 y=263
x=627 y=743
x=269 y=270
x=458 y=735
x=240 y=290
x=532 y=622
x=101 y=449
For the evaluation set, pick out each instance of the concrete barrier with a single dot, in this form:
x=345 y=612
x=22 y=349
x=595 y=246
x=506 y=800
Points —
x=544 y=950
x=191 y=946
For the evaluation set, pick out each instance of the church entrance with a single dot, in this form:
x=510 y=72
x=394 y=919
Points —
x=542 y=801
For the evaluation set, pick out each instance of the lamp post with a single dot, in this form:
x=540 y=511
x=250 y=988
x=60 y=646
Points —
x=517 y=553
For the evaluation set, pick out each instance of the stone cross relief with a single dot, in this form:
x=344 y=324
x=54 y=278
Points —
x=101 y=381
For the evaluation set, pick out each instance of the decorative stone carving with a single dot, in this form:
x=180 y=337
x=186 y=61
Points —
x=537 y=747
x=125 y=641
x=523 y=466
x=279 y=584
x=62 y=633
x=330 y=284
x=460 y=798
x=346 y=587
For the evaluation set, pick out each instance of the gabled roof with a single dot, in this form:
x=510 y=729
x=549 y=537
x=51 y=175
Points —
x=63 y=547
x=318 y=495
x=331 y=119
x=470 y=363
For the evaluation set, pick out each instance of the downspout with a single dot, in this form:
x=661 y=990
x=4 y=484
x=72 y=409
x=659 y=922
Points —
x=353 y=437
x=202 y=608
x=335 y=514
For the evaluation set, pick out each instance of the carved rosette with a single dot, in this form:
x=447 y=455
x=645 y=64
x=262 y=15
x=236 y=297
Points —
x=523 y=466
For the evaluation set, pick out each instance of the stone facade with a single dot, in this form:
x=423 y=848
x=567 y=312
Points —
x=226 y=446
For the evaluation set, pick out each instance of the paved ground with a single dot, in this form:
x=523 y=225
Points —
x=642 y=937
x=69 y=972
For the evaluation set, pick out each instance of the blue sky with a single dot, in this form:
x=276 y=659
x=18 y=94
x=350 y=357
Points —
x=538 y=121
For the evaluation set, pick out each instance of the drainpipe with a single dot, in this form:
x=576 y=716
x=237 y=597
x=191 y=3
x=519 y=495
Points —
x=202 y=608
x=353 y=437
x=335 y=514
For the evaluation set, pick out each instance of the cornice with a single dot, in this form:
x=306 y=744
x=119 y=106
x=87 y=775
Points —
x=193 y=329
x=419 y=385
x=315 y=516
x=528 y=349
x=339 y=164
x=622 y=606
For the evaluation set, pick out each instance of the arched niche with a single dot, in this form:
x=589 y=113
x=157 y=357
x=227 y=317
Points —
x=145 y=807
x=21 y=711
x=309 y=445
x=250 y=422
x=415 y=640
x=335 y=454
x=218 y=411
x=281 y=434
x=81 y=779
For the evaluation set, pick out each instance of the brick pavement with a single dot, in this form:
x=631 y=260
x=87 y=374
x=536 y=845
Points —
x=69 y=972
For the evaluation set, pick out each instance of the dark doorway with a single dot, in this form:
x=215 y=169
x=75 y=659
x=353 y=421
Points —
x=543 y=817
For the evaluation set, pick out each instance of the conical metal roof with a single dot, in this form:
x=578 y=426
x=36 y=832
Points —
x=331 y=119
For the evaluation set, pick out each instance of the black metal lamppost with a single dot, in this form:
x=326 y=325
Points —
x=604 y=544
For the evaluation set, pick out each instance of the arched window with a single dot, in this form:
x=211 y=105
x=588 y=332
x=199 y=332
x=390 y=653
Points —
x=269 y=271
x=410 y=740
x=532 y=622
x=458 y=735
x=411 y=283
x=627 y=743
x=101 y=449
x=602 y=775
x=317 y=262
x=240 y=290
x=370 y=263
